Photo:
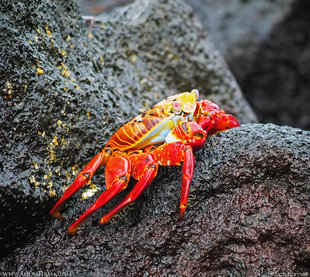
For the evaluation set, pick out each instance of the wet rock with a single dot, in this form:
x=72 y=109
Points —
x=67 y=86
x=248 y=215
x=266 y=45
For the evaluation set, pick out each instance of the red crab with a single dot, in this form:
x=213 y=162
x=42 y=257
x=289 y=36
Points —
x=166 y=134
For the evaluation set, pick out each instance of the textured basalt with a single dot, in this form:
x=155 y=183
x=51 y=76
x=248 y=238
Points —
x=248 y=216
x=67 y=85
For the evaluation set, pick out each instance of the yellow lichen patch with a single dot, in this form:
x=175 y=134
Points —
x=101 y=60
x=143 y=81
x=133 y=58
x=30 y=41
x=53 y=156
x=171 y=56
x=90 y=35
x=40 y=70
x=76 y=87
x=65 y=71
x=57 y=171
x=75 y=169
x=52 y=193
x=41 y=133
x=54 y=141
x=33 y=181
x=64 y=53
x=51 y=152
x=48 y=31
x=68 y=38
x=89 y=192
x=63 y=142
x=35 y=165
x=50 y=185
x=59 y=122
x=8 y=89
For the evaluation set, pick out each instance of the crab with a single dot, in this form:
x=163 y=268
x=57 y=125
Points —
x=166 y=134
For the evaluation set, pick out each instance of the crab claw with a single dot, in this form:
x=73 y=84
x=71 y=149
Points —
x=225 y=122
x=197 y=135
x=190 y=132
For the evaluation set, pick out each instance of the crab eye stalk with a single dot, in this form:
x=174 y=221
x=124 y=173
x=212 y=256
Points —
x=196 y=92
x=176 y=107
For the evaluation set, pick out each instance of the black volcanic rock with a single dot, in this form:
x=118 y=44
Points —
x=248 y=215
x=67 y=86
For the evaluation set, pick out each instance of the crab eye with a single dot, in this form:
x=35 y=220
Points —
x=196 y=92
x=176 y=107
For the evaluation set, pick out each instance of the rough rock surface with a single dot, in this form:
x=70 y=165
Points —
x=66 y=87
x=249 y=216
x=266 y=45
x=65 y=90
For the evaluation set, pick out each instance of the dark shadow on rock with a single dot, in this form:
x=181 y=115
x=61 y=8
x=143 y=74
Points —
x=266 y=45
x=277 y=85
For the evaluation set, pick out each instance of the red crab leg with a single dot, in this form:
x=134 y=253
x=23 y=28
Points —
x=174 y=154
x=144 y=168
x=187 y=171
x=83 y=178
x=117 y=176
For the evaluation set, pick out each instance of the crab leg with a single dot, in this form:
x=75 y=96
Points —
x=82 y=179
x=187 y=171
x=144 y=169
x=174 y=154
x=117 y=176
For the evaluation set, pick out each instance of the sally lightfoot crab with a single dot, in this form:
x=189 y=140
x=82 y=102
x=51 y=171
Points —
x=166 y=134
